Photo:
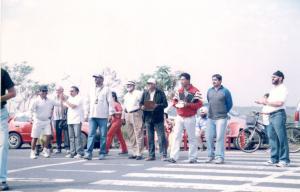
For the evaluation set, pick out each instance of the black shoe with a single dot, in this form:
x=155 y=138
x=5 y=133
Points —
x=171 y=160
x=132 y=157
x=4 y=186
x=150 y=159
x=139 y=157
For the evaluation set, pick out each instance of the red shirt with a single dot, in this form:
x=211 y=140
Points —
x=192 y=99
x=118 y=108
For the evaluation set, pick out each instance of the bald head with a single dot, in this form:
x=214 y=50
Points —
x=59 y=90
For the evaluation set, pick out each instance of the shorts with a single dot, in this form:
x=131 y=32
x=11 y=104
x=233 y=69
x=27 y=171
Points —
x=40 y=128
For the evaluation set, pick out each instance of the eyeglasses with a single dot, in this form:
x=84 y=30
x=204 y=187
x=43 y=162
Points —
x=45 y=91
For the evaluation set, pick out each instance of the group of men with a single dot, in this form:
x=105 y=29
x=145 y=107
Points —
x=141 y=109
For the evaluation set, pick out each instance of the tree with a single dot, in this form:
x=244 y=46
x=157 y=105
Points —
x=26 y=88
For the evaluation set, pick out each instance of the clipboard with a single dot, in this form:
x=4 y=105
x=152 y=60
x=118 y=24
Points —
x=149 y=105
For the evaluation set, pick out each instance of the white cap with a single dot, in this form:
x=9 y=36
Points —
x=151 y=80
x=130 y=83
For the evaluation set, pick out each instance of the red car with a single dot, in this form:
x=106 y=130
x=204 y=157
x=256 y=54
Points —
x=20 y=127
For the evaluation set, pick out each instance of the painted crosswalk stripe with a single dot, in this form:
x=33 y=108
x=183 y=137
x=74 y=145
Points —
x=42 y=180
x=91 y=190
x=233 y=166
x=115 y=164
x=199 y=186
x=196 y=170
x=160 y=184
x=82 y=171
x=209 y=177
x=236 y=162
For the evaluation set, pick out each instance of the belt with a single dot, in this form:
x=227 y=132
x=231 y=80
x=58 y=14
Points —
x=132 y=111
x=280 y=110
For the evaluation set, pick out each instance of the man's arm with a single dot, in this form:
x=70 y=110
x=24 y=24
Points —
x=11 y=93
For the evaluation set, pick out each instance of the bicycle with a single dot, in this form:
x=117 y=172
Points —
x=254 y=135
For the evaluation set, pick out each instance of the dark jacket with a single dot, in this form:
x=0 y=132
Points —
x=156 y=116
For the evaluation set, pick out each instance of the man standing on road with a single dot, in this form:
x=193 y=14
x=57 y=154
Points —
x=41 y=110
x=6 y=85
x=60 y=122
x=219 y=104
x=99 y=109
x=132 y=116
x=75 y=120
x=187 y=101
x=277 y=121
x=154 y=118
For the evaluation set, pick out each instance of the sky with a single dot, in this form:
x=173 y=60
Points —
x=244 y=41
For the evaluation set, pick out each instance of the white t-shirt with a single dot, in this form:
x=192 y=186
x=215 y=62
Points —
x=75 y=116
x=152 y=95
x=41 y=109
x=132 y=100
x=278 y=93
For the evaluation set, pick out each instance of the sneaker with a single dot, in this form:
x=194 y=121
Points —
x=87 y=156
x=139 y=157
x=33 y=155
x=57 y=151
x=171 y=160
x=46 y=153
x=270 y=163
x=150 y=159
x=132 y=157
x=78 y=156
x=68 y=151
x=282 y=164
x=101 y=157
x=69 y=156
x=4 y=186
x=219 y=161
x=209 y=160
x=193 y=161
x=164 y=158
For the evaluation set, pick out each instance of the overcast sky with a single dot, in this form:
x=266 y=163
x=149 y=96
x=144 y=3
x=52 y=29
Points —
x=245 y=41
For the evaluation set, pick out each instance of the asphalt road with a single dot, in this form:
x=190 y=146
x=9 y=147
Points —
x=241 y=172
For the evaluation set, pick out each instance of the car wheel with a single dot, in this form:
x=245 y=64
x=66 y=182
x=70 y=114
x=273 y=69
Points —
x=14 y=140
x=83 y=140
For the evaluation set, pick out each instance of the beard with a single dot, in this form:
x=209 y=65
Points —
x=276 y=82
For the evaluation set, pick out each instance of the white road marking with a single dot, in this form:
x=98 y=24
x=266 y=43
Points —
x=196 y=170
x=181 y=185
x=43 y=180
x=211 y=178
x=91 y=190
x=115 y=164
x=157 y=184
x=43 y=166
x=253 y=163
x=82 y=171
x=233 y=166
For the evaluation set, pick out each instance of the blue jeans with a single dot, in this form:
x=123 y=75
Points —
x=3 y=144
x=94 y=123
x=216 y=128
x=278 y=137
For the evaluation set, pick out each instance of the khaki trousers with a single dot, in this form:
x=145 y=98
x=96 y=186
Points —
x=135 y=132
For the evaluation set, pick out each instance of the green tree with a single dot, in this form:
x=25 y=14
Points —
x=25 y=86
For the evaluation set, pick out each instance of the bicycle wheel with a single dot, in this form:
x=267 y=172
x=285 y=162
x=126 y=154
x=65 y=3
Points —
x=248 y=140
x=293 y=135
